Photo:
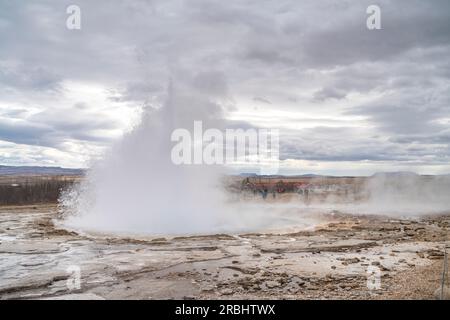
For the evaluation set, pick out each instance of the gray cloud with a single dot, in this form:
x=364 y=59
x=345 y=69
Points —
x=54 y=126
x=329 y=93
x=338 y=91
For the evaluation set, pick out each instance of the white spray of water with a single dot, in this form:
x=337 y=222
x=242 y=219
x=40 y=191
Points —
x=137 y=189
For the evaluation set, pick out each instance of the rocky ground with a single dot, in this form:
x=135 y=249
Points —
x=339 y=259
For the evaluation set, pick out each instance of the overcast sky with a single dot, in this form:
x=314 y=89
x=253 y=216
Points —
x=348 y=100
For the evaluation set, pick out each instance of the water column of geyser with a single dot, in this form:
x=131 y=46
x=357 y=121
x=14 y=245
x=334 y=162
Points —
x=137 y=189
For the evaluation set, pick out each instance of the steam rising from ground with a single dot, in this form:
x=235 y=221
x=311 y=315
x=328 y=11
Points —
x=406 y=194
x=137 y=189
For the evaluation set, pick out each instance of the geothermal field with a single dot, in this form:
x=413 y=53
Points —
x=139 y=225
x=307 y=238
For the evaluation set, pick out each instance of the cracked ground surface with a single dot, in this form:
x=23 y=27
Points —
x=329 y=262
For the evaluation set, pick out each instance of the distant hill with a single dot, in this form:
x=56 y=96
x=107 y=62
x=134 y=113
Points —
x=30 y=170
x=395 y=174
x=310 y=175
x=398 y=174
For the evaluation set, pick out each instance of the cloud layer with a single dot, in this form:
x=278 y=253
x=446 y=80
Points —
x=347 y=100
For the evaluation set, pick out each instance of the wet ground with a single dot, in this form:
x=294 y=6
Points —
x=346 y=257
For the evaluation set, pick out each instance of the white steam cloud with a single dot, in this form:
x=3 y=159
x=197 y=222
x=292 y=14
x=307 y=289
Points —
x=137 y=189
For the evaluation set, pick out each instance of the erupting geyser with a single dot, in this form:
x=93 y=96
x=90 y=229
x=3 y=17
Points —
x=136 y=188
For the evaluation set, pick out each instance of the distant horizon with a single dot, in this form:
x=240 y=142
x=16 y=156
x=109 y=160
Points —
x=241 y=174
